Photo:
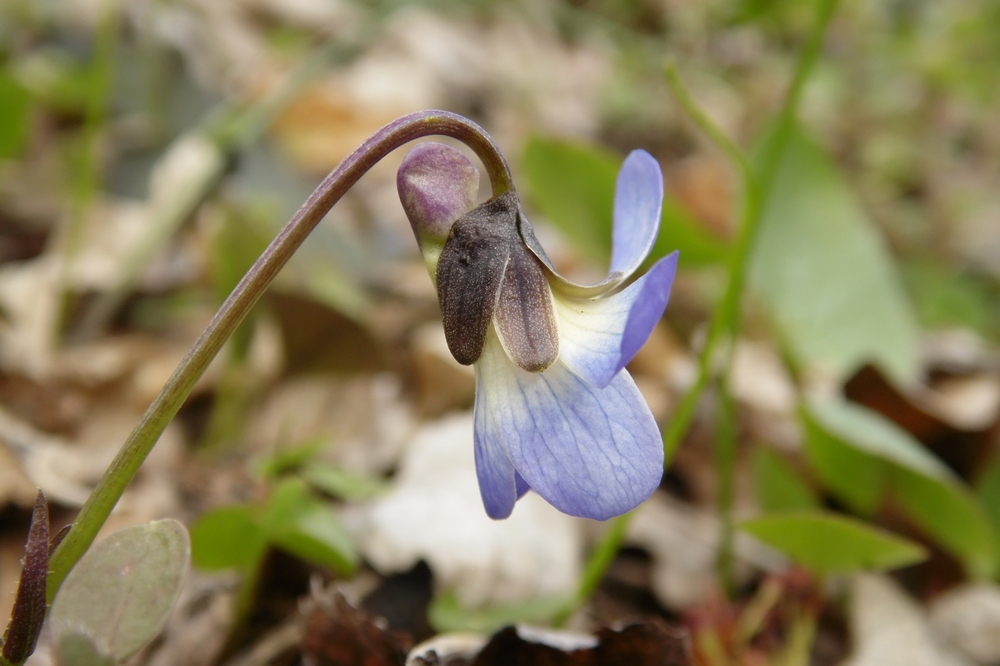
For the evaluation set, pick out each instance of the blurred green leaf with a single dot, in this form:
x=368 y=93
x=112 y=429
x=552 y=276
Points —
x=447 y=614
x=236 y=245
x=336 y=288
x=875 y=435
x=825 y=275
x=951 y=514
x=828 y=544
x=945 y=297
x=303 y=525
x=988 y=492
x=339 y=483
x=73 y=649
x=56 y=78
x=864 y=459
x=289 y=458
x=573 y=185
x=227 y=538
x=122 y=591
x=14 y=115
x=294 y=520
x=856 y=478
x=778 y=486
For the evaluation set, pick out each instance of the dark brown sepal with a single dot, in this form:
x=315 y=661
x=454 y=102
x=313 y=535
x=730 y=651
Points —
x=29 y=605
x=525 y=319
x=470 y=272
x=485 y=270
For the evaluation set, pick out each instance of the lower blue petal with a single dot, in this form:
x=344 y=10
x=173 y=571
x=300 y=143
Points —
x=494 y=469
x=594 y=453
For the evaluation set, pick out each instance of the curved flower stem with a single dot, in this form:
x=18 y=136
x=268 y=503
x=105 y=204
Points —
x=134 y=451
x=725 y=320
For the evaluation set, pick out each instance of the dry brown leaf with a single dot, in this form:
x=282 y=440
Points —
x=889 y=628
x=365 y=420
x=968 y=619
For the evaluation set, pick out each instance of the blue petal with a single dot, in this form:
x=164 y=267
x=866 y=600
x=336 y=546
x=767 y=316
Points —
x=521 y=485
x=638 y=198
x=594 y=453
x=598 y=337
x=494 y=469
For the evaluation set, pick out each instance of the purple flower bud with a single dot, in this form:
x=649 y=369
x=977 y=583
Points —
x=437 y=185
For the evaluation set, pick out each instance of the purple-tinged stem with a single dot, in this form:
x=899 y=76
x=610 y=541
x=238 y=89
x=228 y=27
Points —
x=165 y=406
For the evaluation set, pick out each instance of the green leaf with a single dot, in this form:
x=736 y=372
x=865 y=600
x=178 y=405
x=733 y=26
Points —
x=236 y=245
x=875 y=435
x=294 y=520
x=446 y=614
x=679 y=230
x=825 y=275
x=230 y=537
x=339 y=483
x=988 y=492
x=945 y=297
x=857 y=478
x=830 y=544
x=75 y=649
x=304 y=526
x=865 y=459
x=122 y=591
x=289 y=458
x=56 y=78
x=573 y=185
x=779 y=487
x=950 y=513
x=14 y=115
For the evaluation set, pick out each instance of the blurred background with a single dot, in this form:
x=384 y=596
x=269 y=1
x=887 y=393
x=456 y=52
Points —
x=150 y=149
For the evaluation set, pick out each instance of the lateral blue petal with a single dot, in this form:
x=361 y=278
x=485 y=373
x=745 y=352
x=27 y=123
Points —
x=493 y=466
x=521 y=485
x=594 y=453
x=598 y=337
x=638 y=200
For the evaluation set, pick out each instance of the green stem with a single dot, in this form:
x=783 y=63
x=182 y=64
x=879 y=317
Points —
x=758 y=190
x=725 y=464
x=727 y=313
x=134 y=451
x=600 y=560
x=726 y=318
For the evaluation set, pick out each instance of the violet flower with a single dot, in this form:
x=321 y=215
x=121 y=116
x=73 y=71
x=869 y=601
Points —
x=556 y=412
